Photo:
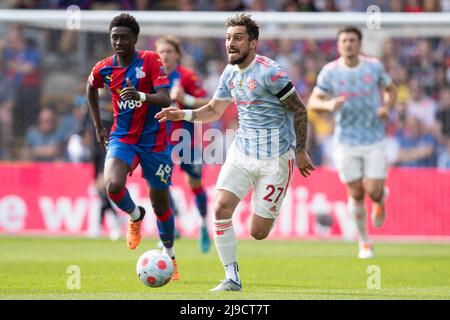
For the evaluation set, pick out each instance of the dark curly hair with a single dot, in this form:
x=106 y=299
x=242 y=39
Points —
x=125 y=20
x=245 y=20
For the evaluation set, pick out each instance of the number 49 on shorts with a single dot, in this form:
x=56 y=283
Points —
x=163 y=172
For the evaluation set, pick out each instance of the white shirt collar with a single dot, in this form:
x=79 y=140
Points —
x=342 y=64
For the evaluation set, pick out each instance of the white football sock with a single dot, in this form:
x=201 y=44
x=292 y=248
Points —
x=135 y=214
x=204 y=222
x=232 y=272
x=169 y=251
x=225 y=240
x=358 y=211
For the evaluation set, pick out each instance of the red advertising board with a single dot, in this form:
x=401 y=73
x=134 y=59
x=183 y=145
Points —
x=60 y=198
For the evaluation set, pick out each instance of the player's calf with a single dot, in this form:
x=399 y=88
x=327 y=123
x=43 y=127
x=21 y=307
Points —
x=379 y=211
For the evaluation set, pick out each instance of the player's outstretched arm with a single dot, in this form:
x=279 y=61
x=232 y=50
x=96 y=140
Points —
x=294 y=103
x=208 y=113
x=100 y=131
x=319 y=101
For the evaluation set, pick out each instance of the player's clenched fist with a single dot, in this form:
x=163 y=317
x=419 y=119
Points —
x=171 y=113
x=336 y=103
x=383 y=113
x=129 y=92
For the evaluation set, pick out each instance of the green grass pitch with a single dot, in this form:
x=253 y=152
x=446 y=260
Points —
x=36 y=268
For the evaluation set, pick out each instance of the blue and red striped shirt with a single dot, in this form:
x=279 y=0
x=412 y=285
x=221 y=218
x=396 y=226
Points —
x=134 y=121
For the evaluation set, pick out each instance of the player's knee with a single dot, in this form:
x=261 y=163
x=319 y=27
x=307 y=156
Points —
x=222 y=210
x=113 y=187
x=160 y=208
x=259 y=234
x=376 y=194
x=357 y=194
x=195 y=183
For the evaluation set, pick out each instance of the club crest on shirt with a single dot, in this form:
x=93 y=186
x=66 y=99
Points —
x=140 y=72
x=251 y=84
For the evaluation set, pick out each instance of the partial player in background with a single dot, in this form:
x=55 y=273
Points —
x=271 y=137
x=350 y=88
x=186 y=93
x=139 y=88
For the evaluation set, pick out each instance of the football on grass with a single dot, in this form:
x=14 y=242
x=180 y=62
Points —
x=154 y=268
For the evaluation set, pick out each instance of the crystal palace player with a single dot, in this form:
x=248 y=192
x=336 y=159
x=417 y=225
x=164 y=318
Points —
x=139 y=87
x=271 y=138
x=187 y=93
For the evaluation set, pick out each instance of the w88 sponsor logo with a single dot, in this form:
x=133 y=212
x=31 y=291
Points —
x=129 y=104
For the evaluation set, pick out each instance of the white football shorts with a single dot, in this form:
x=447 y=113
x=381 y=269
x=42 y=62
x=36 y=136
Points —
x=269 y=179
x=362 y=161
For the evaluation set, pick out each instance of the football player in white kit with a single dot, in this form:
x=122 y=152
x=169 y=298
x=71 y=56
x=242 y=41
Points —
x=350 y=88
x=271 y=138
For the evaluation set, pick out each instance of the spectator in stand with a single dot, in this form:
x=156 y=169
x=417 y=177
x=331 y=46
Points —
x=362 y=5
x=44 y=142
x=440 y=82
x=424 y=64
x=113 y=5
x=6 y=110
x=421 y=106
x=396 y=6
x=329 y=6
x=417 y=147
x=186 y=5
x=413 y=6
x=400 y=76
x=23 y=68
x=290 y=6
x=72 y=122
x=445 y=5
x=257 y=5
x=307 y=6
x=431 y=6
x=28 y=4
x=286 y=55
x=228 y=5
x=443 y=116
x=63 y=4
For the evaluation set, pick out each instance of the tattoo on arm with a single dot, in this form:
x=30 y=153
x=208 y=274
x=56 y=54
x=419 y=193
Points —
x=294 y=104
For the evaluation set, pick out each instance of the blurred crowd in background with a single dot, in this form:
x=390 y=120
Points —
x=43 y=108
x=236 y=5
